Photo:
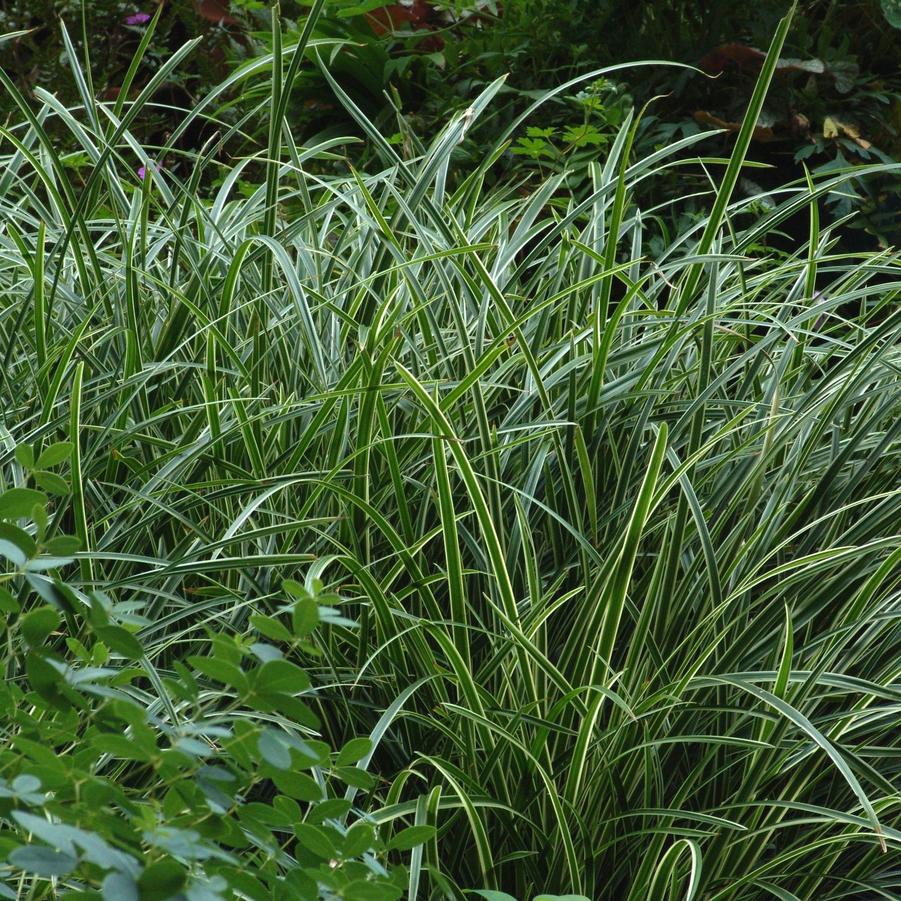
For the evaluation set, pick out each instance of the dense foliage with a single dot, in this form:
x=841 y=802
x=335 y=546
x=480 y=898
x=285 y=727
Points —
x=835 y=100
x=402 y=531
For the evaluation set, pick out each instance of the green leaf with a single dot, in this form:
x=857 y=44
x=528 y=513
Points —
x=55 y=454
x=16 y=544
x=25 y=456
x=534 y=148
x=26 y=783
x=270 y=627
x=43 y=677
x=561 y=898
x=360 y=837
x=891 y=9
x=265 y=652
x=43 y=563
x=356 y=749
x=295 y=588
x=358 y=9
x=316 y=840
x=371 y=890
x=273 y=749
x=8 y=604
x=120 y=746
x=58 y=836
x=52 y=591
x=220 y=670
x=295 y=709
x=332 y=809
x=279 y=676
x=18 y=503
x=409 y=838
x=490 y=895
x=50 y=482
x=583 y=135
x=121 y=641
x=161 y=880
x=226 y=647
x=297 y=785
x=42 y=861
x=120 y=887
x=62 y=545
x=304 y=617
x=355 y=777
x=38 y=624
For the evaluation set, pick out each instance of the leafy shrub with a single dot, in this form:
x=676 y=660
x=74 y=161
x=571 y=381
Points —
x=202 y=780
x=105 y=35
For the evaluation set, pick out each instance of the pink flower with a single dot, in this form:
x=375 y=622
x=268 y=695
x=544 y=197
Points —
x=137 y=19
x=142 y=171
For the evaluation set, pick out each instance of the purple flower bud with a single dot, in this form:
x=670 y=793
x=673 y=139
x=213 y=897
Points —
x=137 y=19
x=142 y=170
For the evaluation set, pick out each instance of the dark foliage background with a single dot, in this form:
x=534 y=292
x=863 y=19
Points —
x=836 y=99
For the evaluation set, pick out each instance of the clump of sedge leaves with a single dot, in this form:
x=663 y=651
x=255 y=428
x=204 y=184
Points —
x=438 y=539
